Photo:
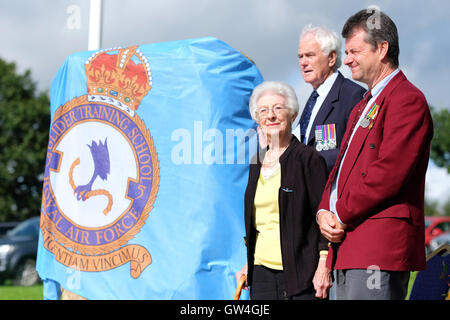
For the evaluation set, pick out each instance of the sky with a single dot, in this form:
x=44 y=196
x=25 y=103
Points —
x=39 y=35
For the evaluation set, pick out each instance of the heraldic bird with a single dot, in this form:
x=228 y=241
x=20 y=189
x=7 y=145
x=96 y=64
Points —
x=100 y=155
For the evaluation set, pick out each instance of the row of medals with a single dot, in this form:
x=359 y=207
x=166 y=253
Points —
x=331 y=143
x=326 y=145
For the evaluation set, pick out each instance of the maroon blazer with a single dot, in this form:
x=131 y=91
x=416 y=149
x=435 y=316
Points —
x=382 y=183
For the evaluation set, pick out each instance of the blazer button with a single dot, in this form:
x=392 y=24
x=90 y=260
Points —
x=372 y=146
x=363 y=174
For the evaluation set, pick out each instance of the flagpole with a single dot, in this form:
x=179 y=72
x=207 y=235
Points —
x=95 y=25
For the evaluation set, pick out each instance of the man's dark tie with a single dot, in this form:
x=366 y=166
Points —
x=306 y=115
x=361 y=105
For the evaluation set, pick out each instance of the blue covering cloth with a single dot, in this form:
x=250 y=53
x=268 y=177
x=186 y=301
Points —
x=146 y=170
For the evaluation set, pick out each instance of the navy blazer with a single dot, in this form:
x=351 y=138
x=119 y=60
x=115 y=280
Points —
x=336 y=108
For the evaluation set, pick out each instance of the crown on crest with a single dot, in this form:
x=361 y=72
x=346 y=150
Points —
x=118 y=76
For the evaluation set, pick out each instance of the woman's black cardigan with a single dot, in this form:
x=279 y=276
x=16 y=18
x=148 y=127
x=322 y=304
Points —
x=303 y=177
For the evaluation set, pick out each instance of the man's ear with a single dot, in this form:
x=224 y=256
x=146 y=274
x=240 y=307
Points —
x=332 y=59
x=383 y=48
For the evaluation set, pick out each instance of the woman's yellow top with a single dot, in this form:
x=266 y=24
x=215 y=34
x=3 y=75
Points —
x=267 y=221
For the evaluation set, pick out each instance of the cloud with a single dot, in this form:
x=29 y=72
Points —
x=266 y=30
x=35 y=35
x=437 y=184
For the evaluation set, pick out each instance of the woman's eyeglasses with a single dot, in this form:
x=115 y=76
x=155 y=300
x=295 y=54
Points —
x=263 y=112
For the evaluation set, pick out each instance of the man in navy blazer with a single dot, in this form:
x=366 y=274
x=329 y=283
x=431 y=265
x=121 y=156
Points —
x=324 y=118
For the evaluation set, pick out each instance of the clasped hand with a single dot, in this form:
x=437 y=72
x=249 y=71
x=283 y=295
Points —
x=330 y=227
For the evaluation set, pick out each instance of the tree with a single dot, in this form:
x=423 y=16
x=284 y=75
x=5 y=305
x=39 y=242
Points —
x=440 y=145
x=24 y=126
x=431 y=208
x=446 y=208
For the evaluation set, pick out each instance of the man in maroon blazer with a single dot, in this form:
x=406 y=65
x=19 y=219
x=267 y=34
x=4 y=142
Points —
x=372 y=209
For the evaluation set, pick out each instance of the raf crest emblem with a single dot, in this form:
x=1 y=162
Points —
x=102 y=172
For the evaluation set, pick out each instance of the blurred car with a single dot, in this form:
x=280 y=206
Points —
x=439 y=240
x=6 y=226
x=435 y=226
x=18 y=250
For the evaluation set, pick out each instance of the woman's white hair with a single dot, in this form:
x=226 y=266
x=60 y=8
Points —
x=273 y=87
x=329 y=41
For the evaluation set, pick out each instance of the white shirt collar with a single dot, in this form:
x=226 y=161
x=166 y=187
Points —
x=382 y=84
x=325 y=87
x=323 y=91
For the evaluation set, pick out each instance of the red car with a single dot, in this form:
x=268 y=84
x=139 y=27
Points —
x=435 y=226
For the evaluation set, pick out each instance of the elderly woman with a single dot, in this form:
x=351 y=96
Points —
x=286 y=253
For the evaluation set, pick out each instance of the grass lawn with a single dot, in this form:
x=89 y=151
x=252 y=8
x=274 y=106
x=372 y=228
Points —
x=10 y=292
x=411 y=281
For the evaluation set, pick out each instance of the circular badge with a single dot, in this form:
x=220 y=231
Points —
x=365 y=122
x=100 y=183
x=102 y=173
x=100 y=203
x=319 y=146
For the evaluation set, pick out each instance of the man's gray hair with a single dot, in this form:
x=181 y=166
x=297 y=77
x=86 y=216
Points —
x=385 y=31
x=273 y=87
x=329 y=41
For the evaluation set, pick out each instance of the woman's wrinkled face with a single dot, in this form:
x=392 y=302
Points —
x=273 y=116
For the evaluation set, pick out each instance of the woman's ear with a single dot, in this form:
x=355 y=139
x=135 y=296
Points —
x=294 y=116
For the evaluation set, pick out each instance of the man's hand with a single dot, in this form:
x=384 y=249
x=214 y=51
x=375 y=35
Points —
x=330 y=227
